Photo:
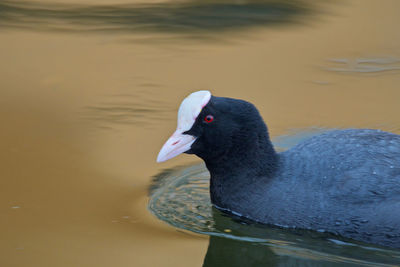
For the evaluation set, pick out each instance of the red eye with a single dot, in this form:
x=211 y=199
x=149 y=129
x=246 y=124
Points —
x=209 y=118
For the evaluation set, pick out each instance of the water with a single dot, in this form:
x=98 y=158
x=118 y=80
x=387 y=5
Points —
x=189 y=17
x=89 y=92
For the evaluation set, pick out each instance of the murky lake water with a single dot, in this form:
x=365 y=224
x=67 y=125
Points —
x=89 y=93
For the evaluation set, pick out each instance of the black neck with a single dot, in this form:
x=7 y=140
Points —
x=246 y=160
x=245 y=163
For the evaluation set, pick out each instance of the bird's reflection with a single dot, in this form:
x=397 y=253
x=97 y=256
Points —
x=277 y=247
x=228 y=252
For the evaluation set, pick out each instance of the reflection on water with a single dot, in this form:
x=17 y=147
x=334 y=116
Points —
x=126 y=109
x=365 y=65
x=180 y=197
x=284 y=248
x=235 y=253
x=74 y=195
x=181 y=17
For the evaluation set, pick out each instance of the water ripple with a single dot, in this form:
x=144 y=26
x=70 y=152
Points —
x=365 y=65
x=126 y=110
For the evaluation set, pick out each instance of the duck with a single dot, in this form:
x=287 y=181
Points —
x=344 y=182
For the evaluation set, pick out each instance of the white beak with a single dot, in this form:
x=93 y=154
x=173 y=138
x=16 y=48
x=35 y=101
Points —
x=175 y=145
x=190 y=108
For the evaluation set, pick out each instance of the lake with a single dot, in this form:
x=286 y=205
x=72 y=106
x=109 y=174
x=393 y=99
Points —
x=89 y=92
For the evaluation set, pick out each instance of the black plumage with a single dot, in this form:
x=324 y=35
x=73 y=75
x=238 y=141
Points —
x=345 y=182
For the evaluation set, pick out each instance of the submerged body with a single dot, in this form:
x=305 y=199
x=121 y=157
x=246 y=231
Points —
x=345 y=182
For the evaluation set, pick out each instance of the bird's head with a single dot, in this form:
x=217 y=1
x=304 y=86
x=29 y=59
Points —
x=212 y=127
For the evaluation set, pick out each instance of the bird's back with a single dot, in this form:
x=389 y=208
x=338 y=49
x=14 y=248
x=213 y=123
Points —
x=343 y=181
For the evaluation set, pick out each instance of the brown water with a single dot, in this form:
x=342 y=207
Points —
x=85 y=106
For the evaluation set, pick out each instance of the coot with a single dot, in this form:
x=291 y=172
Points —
x=345 y=182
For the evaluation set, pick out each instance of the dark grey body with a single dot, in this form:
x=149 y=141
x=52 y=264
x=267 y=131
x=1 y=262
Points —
x=345 y=182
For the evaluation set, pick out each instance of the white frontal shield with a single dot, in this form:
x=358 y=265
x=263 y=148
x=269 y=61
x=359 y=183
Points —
x=187 y=114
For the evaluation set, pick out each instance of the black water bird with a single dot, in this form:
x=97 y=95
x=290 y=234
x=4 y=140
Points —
x=345 y=182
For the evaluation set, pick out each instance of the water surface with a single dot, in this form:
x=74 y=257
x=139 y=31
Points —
x=89 y=92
